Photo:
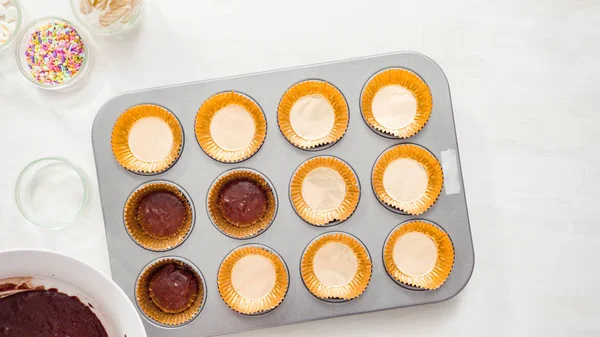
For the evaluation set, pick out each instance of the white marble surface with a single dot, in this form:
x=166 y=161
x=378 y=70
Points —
x=525 y=79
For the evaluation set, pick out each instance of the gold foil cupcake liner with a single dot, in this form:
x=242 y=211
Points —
x=142 y=294
x=242 y=304
x=349 y=291
x=208 y=110
x=443 y=265
x=214 y=211
x=435 y=177
x=132 y=221
x=408 y=80
x=120 y=139
x=340 y=213
x=302 y=89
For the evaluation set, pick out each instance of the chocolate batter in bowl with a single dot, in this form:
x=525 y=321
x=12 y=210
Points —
x=42 y=292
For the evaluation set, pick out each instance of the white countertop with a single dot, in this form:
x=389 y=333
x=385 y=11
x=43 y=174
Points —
x=525 y=80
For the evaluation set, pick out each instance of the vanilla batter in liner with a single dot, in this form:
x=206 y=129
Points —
x=253 y=279
x=230 y=127
x=420 y=254
x=312 y=114
x=147 y=139
x=323 y=190
x=408 y=178
x=336 y=266
x=396 y=102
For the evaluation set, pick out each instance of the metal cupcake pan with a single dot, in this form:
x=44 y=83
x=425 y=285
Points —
x=289 y=235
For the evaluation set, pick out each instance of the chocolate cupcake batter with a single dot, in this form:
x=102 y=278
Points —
x=173 y=288
x=47 y=313
x=161 y=214
x=243 y=202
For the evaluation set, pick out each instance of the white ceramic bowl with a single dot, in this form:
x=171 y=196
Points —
x=73 y=277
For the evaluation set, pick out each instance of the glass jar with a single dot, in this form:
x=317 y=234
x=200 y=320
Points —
x=108 y=17
x=11 y=28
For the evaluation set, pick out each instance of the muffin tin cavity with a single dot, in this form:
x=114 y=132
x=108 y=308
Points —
x=336 y=267
x=396 y=103
x=147 y=139
x=418 y=255
x=324 y=191
x=159 y=215
x=241 y=203
x=313 y=115
x=408 y=178
x=253 y=280
x=170 y=291
x=230 y=127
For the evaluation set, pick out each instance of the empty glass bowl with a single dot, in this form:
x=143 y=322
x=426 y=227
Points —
x=52 y=192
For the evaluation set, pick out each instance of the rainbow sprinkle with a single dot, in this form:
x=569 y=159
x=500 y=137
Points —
x=55 y=53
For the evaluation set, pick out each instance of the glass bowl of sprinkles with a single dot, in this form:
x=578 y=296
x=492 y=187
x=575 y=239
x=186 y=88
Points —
x=53 y=54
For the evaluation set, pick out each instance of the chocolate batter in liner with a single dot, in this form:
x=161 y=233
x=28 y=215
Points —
x=226 y=223
x=408 y=80
x=173 y=288
x=137 y=224
x=443 y=263
x=243 y=202
x=144 y=295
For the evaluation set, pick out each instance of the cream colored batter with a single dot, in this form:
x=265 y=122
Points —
x=312 y=117
x=323 y=189
x=405 y=180
x=415 y=254
x=335 y=264
x=394 y=106
x=232 y=128
x=150 y=139
x=253 y=276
